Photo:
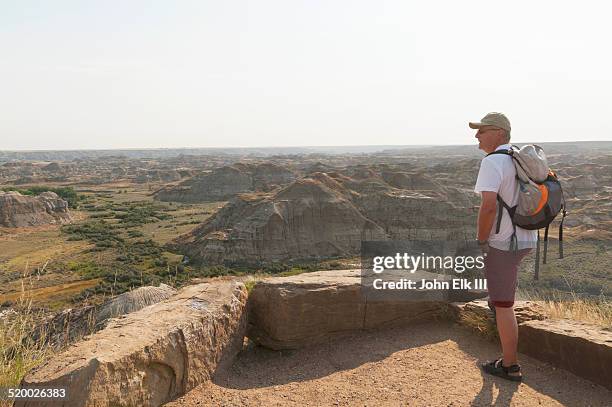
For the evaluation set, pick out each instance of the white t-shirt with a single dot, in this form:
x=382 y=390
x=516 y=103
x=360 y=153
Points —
x=497 y=174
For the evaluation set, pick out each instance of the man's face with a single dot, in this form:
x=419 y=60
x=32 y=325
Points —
x=489 y=138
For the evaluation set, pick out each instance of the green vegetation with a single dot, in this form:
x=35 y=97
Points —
x=66 y=193
x=132 y=261
x=250 y=285
x=283 y=269
x=122 y=255
x=135 y=233
x=101 y=233
x=582 y=272
x=18 y=352
x=137 y=214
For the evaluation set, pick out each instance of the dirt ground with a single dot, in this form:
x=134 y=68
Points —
x=426 y=365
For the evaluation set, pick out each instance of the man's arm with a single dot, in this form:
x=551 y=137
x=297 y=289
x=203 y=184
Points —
x=486 y=214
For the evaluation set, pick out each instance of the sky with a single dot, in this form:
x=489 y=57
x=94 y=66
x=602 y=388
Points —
x=148 y=74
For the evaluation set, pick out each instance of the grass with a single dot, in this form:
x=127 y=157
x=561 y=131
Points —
x=34 y=248
x=481 y=323
x=18 y=352
x=577 y=287
x=18 y=356
x=250 y=285
x=561 y=305
x=584 y=270
x=60 y=290
x=581 y=310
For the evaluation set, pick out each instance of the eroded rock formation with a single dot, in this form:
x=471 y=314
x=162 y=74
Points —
x=18 y=210
x=72 y=324
x=225 y=182
x=329 y=214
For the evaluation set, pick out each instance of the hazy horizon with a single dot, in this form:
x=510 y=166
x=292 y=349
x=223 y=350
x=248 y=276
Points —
x=345 y=149
x=272 y=74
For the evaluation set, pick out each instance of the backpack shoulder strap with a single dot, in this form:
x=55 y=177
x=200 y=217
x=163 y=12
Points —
x=500 y=208
x=501 y=205
x=505 y=152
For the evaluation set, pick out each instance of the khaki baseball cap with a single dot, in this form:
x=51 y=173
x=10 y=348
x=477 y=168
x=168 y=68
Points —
x=494 y=119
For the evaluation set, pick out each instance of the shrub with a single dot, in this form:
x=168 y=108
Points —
x=96 y=232
x=135 y=233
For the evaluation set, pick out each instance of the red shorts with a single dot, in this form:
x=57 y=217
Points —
x=501 y=271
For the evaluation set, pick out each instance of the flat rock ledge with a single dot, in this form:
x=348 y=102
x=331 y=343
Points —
x=154 y=355
x=309 y=308
x=479 y=309
x=581 y=348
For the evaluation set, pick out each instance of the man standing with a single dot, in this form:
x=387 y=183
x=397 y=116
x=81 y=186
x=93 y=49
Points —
x=497 y=178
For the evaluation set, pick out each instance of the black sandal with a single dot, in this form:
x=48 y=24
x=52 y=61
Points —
x=496 y=368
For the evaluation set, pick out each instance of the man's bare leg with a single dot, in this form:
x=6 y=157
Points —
x=508 y=334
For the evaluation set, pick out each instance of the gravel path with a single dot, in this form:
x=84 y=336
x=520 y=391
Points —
x=426 y=365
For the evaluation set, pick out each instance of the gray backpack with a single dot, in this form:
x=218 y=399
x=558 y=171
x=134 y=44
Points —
x=540 y=197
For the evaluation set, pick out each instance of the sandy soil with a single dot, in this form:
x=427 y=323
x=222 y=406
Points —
x=427 y=365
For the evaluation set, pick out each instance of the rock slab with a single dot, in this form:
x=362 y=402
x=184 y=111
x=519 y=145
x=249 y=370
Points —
x=524 y=310
x=302 y=310
x=583 y=349
x=154 y=355
x=72 y=324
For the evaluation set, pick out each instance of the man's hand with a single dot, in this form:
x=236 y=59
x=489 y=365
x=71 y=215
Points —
x=486 y=214
x=484 y=247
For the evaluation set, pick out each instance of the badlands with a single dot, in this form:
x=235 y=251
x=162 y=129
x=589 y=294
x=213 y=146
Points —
x=207 y=277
